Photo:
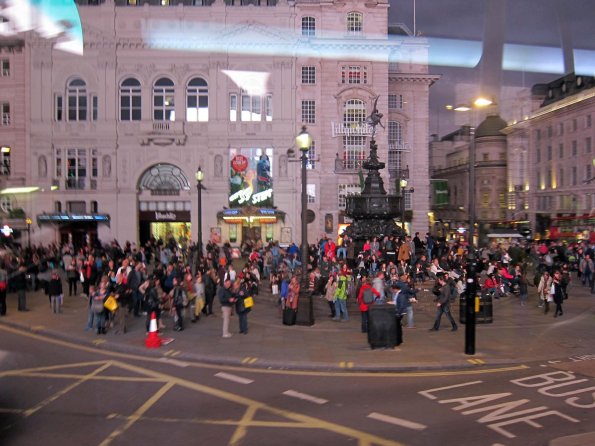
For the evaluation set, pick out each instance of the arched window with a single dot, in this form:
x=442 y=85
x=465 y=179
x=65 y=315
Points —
x=354 y=146
x=164 y=108
x=355 y=22
x=308 y=26
x=76 y=93
x=130 y=100
x=197 y=100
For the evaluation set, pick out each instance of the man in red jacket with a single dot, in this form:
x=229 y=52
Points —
x=366 y=297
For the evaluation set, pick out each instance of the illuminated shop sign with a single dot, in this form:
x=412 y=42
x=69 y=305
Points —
x=68 y=218
x=351 y=129
x=250 y=178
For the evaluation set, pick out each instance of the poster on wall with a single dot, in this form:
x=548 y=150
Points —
x=250 y=177
x=285 y=236
x=216 y=235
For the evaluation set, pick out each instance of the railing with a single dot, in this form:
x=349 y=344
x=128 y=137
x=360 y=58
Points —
x=347 y=166
x=75 y=183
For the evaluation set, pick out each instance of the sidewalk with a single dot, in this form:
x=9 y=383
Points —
x=518 y=335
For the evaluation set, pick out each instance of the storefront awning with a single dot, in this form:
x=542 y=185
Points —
x=57 y=218
x=250 y=214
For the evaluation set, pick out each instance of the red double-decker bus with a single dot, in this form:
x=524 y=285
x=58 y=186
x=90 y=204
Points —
x=573 y=228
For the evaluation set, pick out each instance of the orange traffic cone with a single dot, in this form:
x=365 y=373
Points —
x=153 y=340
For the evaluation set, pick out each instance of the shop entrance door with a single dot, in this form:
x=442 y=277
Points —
x=253 y=233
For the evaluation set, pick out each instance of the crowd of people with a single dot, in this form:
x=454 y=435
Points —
x=161 y=278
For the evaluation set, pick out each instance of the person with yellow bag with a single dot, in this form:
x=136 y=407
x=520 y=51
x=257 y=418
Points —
x=244 y=303
x=199 y=297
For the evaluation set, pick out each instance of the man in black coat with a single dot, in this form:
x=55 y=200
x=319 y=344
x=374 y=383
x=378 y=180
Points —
x=443 y=304
x=19 y=282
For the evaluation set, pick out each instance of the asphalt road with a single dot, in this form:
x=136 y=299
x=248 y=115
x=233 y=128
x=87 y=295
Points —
x=68 y=394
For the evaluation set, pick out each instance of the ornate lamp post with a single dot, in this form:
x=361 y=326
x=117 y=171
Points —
x=305 y=315
x=199 y=175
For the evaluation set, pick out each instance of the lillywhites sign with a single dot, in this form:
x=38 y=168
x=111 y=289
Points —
x=245 y=196
x=353 y=129
x=165 y=216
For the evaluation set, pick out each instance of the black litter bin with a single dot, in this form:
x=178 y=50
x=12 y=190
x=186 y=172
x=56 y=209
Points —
x=485 y=315
x=382 y=327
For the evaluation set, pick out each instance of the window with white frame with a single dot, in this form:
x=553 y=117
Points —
x=233 y=107
x=395 y=101
x=197 y=100
x=308 y=75
x=164 y=107
x=395 y=133
x=344 y=191
x=354 y=74
x=251 y=107
x=5 y=67
x=76 y=168
x=58 y=107
x=5 y=160
x=308 y=26
x=355 y=22
x=5 y=113
x=311 y=193
x=354 y=146
x=76 y=93
x=311 y=164
x=268 y=107
x=130 y=100
x=309 y=111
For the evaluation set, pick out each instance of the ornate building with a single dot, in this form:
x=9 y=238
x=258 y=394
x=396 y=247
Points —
x=163 y=87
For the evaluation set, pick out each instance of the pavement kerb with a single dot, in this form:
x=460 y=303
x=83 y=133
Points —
x=110 y=346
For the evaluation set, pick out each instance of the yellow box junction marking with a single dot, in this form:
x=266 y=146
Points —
x=249 y=360
x=346 y=365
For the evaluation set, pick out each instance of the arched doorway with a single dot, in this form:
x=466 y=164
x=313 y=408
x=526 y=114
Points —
x=164 y=204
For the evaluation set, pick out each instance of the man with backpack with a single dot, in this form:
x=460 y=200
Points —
x=366 y=297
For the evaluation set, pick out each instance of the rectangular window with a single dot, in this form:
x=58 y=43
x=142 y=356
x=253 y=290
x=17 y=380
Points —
x=560 y=177
x=561 y=129
x=233 y=107
x=251 y=108
x=550 y=131
x=311 y=193
x=354 y=23
x=312 y=156
x=395 y=101
x=538 y=154
x=5 y=67
x=308 y=75
x=309 y=112
x=561 y=151
x=94 y=163
x=573 y=176
x=588 y=121
x=5 y=161
x=5 y=113
x=58 y=166
x=345 y=190
x=588 y=172
x=548 y=178
x=268 y=107
x=574 y=148
x=233 y=232
x=574 y=125
x=502 y=200
x=549 y=153
x=76 y=168
x=354 y=74
x=588 y=145
x=485 y=200
x=94 y=105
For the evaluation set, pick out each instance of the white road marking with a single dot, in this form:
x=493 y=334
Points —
x=234 y=378
x=305 y=397
x=397 y=421
x=174 y=362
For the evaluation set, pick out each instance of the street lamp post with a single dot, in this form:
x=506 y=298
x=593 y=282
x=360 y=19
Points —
x=305 y=314
x=471 y=288
x=199 y=175
x=403 y=185
x=28 y=221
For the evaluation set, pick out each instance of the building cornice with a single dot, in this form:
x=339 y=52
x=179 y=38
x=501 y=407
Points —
x=425 y=78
